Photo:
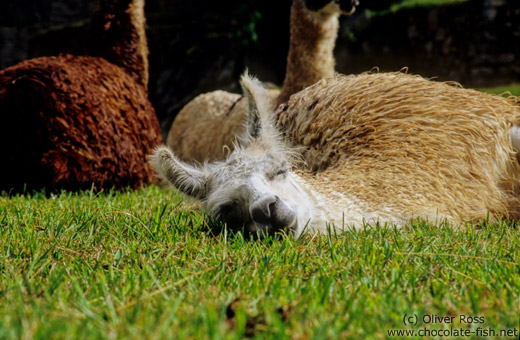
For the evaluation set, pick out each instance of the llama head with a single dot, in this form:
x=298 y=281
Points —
x=346 y=7
x=254 y=187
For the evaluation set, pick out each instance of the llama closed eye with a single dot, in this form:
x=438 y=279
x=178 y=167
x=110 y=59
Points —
x=277 y=174
x=280 y=174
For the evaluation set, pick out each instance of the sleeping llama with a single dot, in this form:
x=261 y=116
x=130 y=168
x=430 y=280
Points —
x=207 y=126
x=376 y=148
x=73 y=122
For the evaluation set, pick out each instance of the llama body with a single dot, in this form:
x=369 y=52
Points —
x=85 y=120
x=381 y=148
x=205 y=129
x=408 y=147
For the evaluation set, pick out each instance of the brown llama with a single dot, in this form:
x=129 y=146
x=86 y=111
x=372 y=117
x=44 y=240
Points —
x=73 y=122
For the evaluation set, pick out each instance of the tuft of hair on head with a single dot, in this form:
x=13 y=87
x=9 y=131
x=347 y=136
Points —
x=260 y=126
x=184 y=177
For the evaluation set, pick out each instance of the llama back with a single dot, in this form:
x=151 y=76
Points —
x=407 y=145
x=206 y=124
x=75 y=121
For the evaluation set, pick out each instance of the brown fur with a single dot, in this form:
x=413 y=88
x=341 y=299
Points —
x=75 y=122
x=118 y=36
x=221 y=113
x=408 y=144
x=311 y=48
x=207 y=126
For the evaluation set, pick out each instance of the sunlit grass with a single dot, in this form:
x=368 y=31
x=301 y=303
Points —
x=405 y=4
x=513 y=89
x=423 y=3
x=144 y=265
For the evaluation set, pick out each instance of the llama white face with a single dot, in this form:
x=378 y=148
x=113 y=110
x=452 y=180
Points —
x=254 y=193
x=254 y=188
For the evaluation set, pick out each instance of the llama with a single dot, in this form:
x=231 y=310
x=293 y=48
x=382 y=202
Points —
x=207 y=126
x=73 y=122
x=377 y=148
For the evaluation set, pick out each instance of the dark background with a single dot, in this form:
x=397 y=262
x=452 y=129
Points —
x=202 y=45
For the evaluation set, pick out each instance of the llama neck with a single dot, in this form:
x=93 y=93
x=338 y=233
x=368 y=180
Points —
x=118 y=35
x=311 y=206
x=322 y=206
x=311 y=48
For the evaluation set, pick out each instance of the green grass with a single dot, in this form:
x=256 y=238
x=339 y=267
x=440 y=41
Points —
x=405 y=4
x=513 y=89
x=144 y=265
x=423 y=3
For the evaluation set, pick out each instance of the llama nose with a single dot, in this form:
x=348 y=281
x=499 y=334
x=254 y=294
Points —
x=261 y=210
x=271 y=214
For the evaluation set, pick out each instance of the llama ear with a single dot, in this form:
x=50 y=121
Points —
x=257 y=103
x=184 y=177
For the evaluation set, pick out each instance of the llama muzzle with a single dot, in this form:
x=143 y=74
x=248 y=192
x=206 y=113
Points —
x=271 y=215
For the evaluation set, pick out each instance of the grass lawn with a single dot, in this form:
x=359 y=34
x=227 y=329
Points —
x=423 y=3
x=405 y=4
x=513 y=89
x=144 y=265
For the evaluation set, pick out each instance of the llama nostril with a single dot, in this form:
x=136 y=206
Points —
x=272 y=207
x=260 y=214
x=271 y=214
x=273 y=211
x=261 y=210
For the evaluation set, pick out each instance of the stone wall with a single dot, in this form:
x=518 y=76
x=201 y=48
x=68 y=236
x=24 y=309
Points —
x=476 y=42
x=22 y=22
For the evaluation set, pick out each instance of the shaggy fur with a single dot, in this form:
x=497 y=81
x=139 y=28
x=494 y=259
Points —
x=206 y=127
x=381 y=148
x=204 y=130
x=118 y=35
x=235 y=190
x=75 y=122
x=311 y=47
x=408 y=144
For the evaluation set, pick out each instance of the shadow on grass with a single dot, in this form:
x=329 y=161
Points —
x=218 y=228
